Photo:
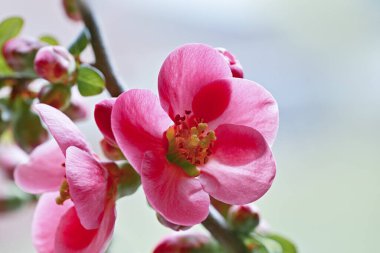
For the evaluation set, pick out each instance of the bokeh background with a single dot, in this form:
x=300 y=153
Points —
x=319 y=58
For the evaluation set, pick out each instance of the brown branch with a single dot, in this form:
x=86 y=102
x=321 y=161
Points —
x=218 y=228
x=103 y=61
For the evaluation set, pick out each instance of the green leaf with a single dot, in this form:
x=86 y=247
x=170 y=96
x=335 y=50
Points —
x=80 y=43
x=90 y=81
x=49 y=40
x=4 y=68
x=10 y=28
x=287 y=246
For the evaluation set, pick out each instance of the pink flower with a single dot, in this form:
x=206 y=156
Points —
x=54 y=63
x=72 y=169
x=208 y=135
x=58 y=229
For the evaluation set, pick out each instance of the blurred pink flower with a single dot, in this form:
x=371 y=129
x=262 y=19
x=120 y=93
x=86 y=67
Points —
x=11 y=156
x=183 y=243
x=68 y=165
x=210 y=135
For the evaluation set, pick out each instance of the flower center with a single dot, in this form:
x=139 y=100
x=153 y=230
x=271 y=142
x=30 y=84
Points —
x=64 y=193
x=190 y=143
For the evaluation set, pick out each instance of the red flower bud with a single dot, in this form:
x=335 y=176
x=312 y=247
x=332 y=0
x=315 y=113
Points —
x=184 y=243
x=55 y=64
x=110 y=151
x=236 y=68
x=243 y=219
x=19 y=53
x=72 y=9
x=57 y=96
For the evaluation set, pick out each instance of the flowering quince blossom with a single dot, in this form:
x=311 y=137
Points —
x=78 y=212
x=208 y=134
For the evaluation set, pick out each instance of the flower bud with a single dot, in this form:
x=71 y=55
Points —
x=235 y=66
x=243 y=219
x=111 y=152
x=185 y=243
x=170 y=225
x=19 y=53
x=77 y=109
x=72 y=10
x=55 y=64
x=57 y=96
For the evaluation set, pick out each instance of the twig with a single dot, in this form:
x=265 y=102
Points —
x=218 y=228
x=103 y=62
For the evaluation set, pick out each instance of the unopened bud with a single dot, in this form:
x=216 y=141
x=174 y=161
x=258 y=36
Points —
x=235 y=66
x=77 y=109
x=72 y=10
x=170 y=225
x=111 y=152
x=243 y=219
x=19 y=53
x=57 y=96
x=185 y=243
x=55 y=64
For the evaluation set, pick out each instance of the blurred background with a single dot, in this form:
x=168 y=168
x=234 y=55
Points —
x=321 y=61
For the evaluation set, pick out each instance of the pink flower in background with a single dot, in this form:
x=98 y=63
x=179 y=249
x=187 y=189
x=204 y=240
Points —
x=183 y=243
x=210 y=134
x=69 y=166
x=11 y=156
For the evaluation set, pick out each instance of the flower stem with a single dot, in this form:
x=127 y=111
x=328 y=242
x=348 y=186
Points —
x=218 y=228
x=214 y=222
x=103 y=62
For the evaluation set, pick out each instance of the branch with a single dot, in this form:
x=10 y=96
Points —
x=218 y=228
x=17 y=77
x=103 y=62
x=214 y=222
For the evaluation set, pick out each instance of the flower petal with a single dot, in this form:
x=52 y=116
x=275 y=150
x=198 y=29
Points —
x=238 y=101
x=72 y=237
x=46 y=220
x=11 y=155
x=102 y=114
x=139 y=123
x=87 y=181
x=179 y=198
x=64 y=131
x=186 y=70
x=242 y=168
x=44 y=171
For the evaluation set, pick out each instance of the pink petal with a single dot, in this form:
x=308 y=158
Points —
x=64 y=131
x=74 y=238
x=44 y=171
x=11 y=155
x=248 y=104
x=242 y=168
x=45 y=222
x=185 y=71
x=87 y=185
x=139 y=123
x=102 y=113
x=180 y=199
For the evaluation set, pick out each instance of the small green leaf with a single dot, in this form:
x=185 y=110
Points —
x=80 y=43
x=90 y=81
x=4 y=68
x=10 y=28
x=49 y=40
x=287 y=246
